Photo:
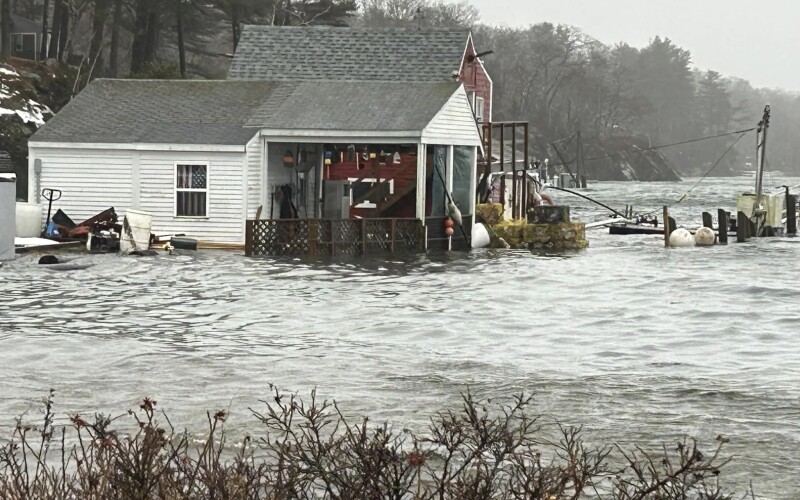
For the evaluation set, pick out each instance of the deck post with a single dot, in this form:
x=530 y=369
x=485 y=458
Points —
x=707 y=221
x=525 y=173
x=722 y=230
x=514 y=188
x=392 y=234
x=363 y=236
x=742 y=227
x=248 y=237
x=791 y=214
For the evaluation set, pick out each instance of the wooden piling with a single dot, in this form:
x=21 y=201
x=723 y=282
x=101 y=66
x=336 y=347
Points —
x=722 y=231
x=791 y=214
x=707 y=221
x=666 y=226
x=742 y=227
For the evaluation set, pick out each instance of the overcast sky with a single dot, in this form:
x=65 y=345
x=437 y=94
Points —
x=755 y=40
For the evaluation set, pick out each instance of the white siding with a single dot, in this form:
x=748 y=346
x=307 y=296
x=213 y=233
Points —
x=90 y=180
x=255 y=165
x=93 y=180
x=226 y=200
x=454 y=124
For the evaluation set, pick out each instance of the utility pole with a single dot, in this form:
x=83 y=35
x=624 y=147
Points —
x=763 y=125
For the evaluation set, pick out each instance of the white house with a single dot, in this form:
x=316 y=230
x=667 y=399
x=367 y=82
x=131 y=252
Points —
x=204 y=156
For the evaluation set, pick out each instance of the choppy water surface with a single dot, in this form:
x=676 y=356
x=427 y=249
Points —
x=637 y=343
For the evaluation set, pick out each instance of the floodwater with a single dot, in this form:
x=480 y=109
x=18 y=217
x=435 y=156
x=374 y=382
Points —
x=635 y=342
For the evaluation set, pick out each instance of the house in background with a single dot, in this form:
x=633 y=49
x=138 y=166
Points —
x=207 y=158
x=308 y=53
x=26 y=38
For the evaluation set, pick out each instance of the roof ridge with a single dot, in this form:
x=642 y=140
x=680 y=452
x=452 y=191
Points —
x=322 y=27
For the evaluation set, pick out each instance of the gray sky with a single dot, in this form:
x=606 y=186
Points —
x=755 y=40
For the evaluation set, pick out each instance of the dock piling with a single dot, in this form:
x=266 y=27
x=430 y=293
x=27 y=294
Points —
x=742 y=227
x=722 y=230
x=791 y=213
x=707 y=221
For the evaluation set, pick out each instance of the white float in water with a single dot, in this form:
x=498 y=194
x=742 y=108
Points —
x=480 y=236
x=681 y=238
x=703 y=237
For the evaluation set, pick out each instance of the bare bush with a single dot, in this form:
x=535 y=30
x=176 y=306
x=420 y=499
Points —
x=310 y=450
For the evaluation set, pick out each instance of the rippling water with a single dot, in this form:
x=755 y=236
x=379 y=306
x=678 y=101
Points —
x=637 y=343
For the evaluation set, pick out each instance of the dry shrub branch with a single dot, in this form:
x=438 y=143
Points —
x=308 y=449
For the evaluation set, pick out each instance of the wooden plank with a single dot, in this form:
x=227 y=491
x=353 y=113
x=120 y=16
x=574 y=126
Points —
x=722 y=223
x=791 y=214
x=742 y=227
x=248 y=237
x=363 y=236
x=392 y=234
x=707 y=221
x=514 y=188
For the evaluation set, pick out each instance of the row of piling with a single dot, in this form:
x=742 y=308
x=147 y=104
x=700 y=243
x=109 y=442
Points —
x=745 y=228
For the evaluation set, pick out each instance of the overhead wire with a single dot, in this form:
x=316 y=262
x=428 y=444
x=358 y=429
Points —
x=653 y=148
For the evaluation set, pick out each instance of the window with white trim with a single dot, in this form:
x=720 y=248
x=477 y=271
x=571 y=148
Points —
x=191 y=190
x=478 y=108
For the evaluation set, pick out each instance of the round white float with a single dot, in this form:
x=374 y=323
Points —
x=681 y=238
x=480 y=236
x=704 y=237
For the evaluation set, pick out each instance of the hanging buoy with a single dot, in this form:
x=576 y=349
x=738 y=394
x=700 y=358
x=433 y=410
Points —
x=704 y=237
x=455 y=213
x=681 y=238
x=448 y=222
x=480 y=236
x=449 y=231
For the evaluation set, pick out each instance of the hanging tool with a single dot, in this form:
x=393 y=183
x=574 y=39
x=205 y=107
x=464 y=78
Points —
x=50 y=195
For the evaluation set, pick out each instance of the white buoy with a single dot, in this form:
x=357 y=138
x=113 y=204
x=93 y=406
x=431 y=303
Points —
x=704 y=237
x=455 y=213
x=480 y=236
x=681 y=238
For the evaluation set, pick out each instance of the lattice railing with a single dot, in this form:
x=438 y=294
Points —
x=340 y=237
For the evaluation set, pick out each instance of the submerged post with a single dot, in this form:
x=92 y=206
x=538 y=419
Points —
x=707 y=221
x=791 y=213
x=742 y=227
x=722 y=231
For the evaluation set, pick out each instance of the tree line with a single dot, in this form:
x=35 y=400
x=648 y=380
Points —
x=557 y=77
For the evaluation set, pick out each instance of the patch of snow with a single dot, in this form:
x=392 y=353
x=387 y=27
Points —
x=9 y=72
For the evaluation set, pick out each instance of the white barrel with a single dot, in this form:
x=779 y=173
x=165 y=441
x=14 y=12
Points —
x=681 y=238
x=29 y=220
x=8 y=200
x=705 y=237
x=135 y=235
x=480 y=236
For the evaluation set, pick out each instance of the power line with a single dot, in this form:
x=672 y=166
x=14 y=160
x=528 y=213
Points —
x=652 y=148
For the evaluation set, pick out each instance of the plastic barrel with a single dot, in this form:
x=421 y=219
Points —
x=135 y=232
x=180 y=243
x=30 y=220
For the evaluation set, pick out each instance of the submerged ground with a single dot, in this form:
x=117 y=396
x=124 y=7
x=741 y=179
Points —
x=637 y=343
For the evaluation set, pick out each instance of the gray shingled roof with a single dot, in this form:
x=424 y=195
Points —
x=229 y=112
x=20 y=24
x=353 y=106
x=158 y=111
x=332 y=53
